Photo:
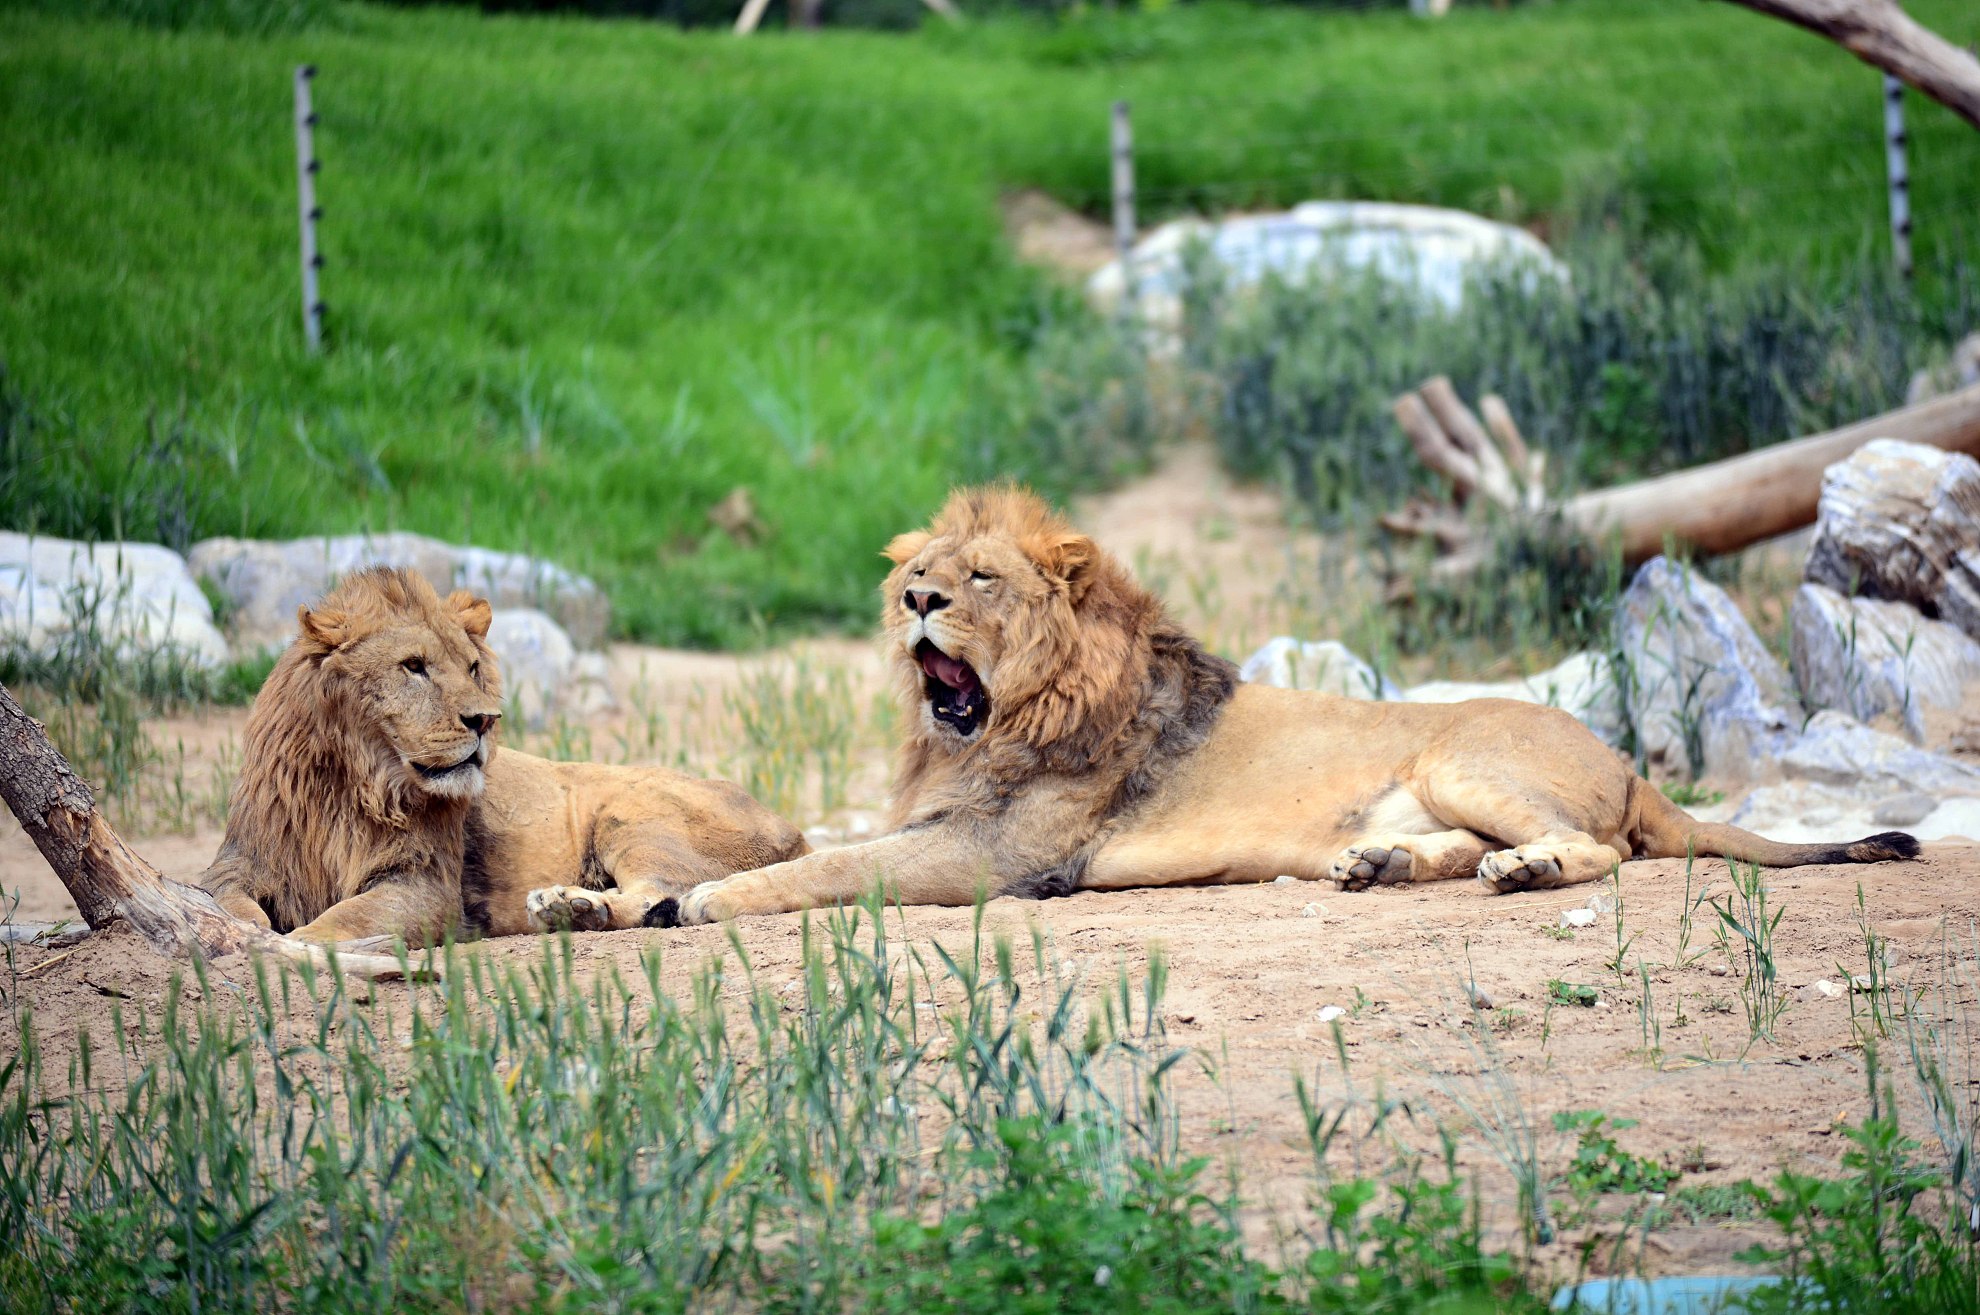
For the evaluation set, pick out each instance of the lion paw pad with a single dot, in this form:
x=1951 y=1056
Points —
x=1529 y=867
x=1362 y=866
x=561 y=908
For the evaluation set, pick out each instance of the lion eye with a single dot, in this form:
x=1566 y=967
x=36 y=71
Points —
x=416 y=666
x=474 y=671
x=981 y=576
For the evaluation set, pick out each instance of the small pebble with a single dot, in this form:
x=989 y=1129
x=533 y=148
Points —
x=1578 y=918
x=1284 y=879
x=1720 y=970
x=1601 y=1004
x=1825 y=987
x=1328 y=1013
x=1310 y=911
x=1859 y=982
x=1481 y=997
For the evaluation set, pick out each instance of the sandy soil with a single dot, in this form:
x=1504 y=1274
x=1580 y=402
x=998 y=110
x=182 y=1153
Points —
x=1249 y=967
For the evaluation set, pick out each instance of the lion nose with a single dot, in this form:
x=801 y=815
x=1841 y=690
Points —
x=479 y=722
x=923 y=601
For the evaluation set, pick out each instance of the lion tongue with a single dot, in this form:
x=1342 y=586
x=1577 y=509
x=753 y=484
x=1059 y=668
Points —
x=951 y=672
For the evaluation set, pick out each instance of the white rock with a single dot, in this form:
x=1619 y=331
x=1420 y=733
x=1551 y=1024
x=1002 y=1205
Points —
x=1328 y=1013
x=140 y=597
x=1583 y=685
x=1828 y=989
x=537 y=659
x=265 y=581
x=1880 y=660
x=1837 y=750
x=1481 y=997
x=1310 y=911
x=1285 y=879
x=1327 y=665
x=1705 y=695
x=1807 y=812
x=1577 y=917
x=1907 y=809
x=589 y=693
x=1434 y=252
x=1901 y=521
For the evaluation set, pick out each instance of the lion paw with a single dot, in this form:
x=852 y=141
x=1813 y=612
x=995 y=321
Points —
x=1530 y=867
x=705 y=903
x=1362 y=866
x=567 y=908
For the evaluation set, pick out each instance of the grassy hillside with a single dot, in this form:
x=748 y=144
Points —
x=585 y=278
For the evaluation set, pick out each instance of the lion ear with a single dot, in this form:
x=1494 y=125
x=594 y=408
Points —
x=474 y=614
x=1067 y=558
x=326 y=626
x=904 y=547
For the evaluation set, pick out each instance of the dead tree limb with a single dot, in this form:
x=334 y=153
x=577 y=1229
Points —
x=1883 y=36
x=1495 y=479
x=1434 y=447
x=1729 y=504
x=111 y=882
x=1529 y=464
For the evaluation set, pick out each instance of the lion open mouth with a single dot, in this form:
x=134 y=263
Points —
x=954 y=693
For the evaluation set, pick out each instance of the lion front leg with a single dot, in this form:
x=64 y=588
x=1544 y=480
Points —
x=930 y=865
x=421 y=910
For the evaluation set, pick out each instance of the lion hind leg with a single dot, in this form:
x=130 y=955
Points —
x=1398 y=859
x=1567 y=859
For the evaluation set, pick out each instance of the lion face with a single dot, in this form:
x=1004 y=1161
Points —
x=980 y=608
x=410 y=674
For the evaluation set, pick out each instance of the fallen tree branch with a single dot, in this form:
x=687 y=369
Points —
x=111 y=882
x=1729 y=504
x=1495 y=478
x=1883 y=36
x=1434 y=447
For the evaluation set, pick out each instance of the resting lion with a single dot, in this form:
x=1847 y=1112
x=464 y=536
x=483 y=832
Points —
x=1063 y=734
x=371 y=800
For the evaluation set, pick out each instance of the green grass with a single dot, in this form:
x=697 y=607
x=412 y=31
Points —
x=584 y=278
x=532 y=1138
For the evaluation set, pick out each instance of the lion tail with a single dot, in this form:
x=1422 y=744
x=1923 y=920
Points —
x=1667 y=831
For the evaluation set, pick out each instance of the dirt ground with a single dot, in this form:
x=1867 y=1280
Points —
x=1250 y=968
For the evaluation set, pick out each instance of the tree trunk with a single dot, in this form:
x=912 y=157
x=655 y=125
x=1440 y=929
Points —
x=1883 y=36
x=107 y=879
x=1729 y=504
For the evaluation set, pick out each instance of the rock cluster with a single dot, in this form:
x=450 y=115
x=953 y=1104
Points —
x=233 y=598
x=1865 y=728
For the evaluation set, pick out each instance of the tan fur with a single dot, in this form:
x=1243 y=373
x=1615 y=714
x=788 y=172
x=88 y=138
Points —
x=1115 y=752
x=346 y=822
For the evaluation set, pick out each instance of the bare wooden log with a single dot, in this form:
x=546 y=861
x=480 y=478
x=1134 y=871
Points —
x=1729 y=504
x=1423 y=520
x=110 y=881
x=1883 y=36
x=1529 y=464
x=1495 y=481
x=1434 y=447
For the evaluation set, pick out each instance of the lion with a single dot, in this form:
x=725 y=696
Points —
x=1062 y=734
x=372 y=802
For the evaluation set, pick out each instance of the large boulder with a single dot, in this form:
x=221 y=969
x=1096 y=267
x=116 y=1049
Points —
x=265 y=581
x=1901 y=522
x=1431 y=251
x=1326 y=665
x=137 y=598
x=543 y=674
x=1883 y=662
x=1584 y=685
x=1704 y=695
x=1838 y=750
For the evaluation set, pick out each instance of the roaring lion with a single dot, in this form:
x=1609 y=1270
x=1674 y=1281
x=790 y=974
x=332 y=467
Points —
x=371 y=800
x=1062 y=733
